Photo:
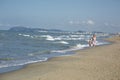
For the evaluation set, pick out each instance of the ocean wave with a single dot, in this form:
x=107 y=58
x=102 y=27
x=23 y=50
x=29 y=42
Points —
x=23 y=62
x=78 y=47
x=63 y=37
x=25 y=35
x=39 y=53
x=54 y=38
x=73 y=48
x=48 y=37
x=62 y=42
x=70 y=37
x=35 y=45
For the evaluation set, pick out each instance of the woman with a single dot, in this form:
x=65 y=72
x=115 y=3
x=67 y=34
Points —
x=92 y=41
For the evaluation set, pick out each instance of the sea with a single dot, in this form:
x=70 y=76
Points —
x=22 y=46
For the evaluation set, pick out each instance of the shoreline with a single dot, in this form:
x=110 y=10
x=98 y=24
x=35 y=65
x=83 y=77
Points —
x=74 y=65
x=69 y=52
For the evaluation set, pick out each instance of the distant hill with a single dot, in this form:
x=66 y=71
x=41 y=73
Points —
x=19 y=29
x=25 y=29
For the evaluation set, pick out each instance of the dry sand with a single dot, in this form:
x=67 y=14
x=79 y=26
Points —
x=98 y=63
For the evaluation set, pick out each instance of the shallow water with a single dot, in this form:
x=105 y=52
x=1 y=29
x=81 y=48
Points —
x=20 y=48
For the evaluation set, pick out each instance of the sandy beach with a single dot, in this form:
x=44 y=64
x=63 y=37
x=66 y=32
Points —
x=96 y=63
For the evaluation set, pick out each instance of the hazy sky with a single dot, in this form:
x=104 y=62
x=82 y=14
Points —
x=88 y=15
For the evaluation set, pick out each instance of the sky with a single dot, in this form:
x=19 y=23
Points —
x=71 y=15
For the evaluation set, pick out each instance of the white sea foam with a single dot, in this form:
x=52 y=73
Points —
x=77 y=47
x=19 y=34
x=62 y=42
x=58 y=38
x=48 y=37
x=71 y=37
x=63 y=37
x=25 y=35
x=77 y=36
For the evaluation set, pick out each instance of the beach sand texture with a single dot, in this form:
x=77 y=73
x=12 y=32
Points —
x=97 y=63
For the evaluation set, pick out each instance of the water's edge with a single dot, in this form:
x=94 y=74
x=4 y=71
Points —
x=70 y=53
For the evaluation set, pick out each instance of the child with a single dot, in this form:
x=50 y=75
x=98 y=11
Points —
x=90 y=42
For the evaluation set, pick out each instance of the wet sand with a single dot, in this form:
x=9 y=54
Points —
x=96 y=63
